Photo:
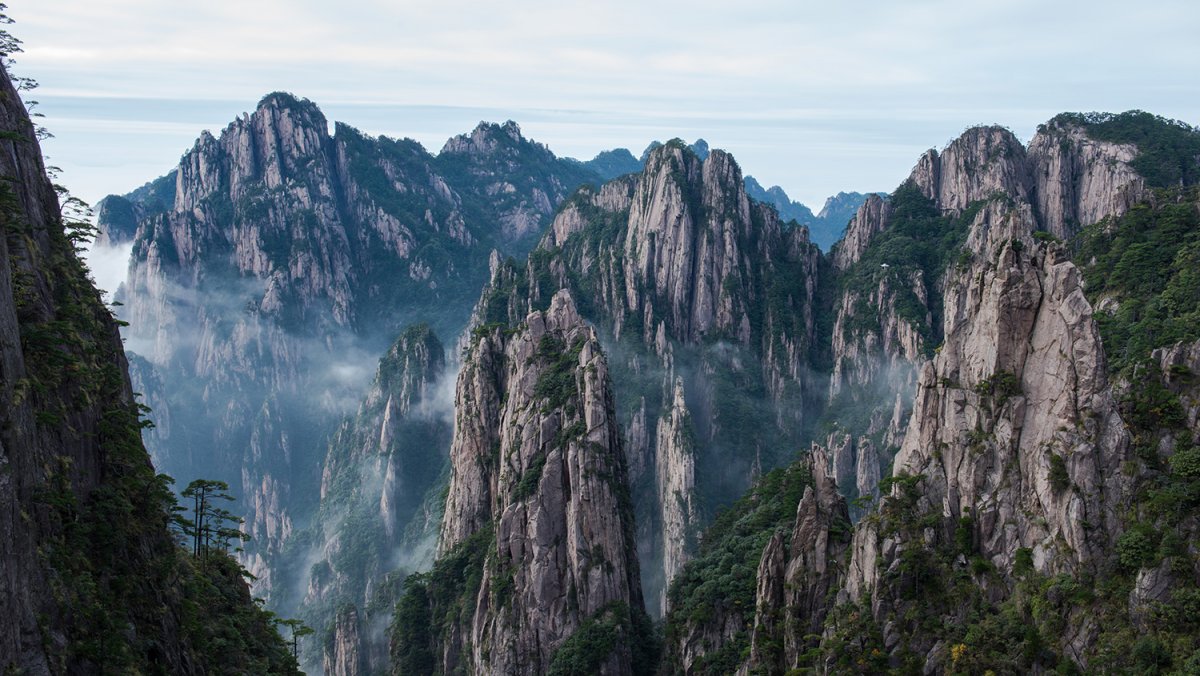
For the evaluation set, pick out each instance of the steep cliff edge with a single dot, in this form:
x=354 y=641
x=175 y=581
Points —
x=1040 y=507
x=378 y=514
x=92 y=579
x=277 y=261
x=899 y=254
x=538 y=518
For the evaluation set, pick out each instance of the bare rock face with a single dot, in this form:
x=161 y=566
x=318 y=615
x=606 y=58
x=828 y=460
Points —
x=981 y=163
x=1014 y=430
x=342 y=658
x=871 y=218
x=866 y=469
x=681 y=256
x=1080 y=181
x=675 y=469
x=795 y=580
x=537 y=453
x=694 y=255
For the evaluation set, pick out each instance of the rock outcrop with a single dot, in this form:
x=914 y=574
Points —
x=281 y=260
x=797 y=574
x=980 y=164
x=870 y=219
x=1015 y=442
x=675 y=470
x=1079 y=181
x=342 y=652
x=547 y=480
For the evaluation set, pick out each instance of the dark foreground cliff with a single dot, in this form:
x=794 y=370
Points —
x=91 y=579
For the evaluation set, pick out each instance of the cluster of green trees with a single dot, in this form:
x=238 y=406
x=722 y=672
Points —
x=1142 y=271
x=1166 y=149
x=212 y=533
x=210 y=526
x=720 y=581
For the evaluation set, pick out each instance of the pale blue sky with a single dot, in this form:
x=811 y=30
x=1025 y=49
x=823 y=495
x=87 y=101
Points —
x=816 y=97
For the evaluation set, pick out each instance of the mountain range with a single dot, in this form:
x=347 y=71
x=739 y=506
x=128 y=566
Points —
x=495 y=411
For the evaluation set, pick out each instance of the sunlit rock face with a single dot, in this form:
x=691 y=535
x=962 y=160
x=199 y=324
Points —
x=538 y=461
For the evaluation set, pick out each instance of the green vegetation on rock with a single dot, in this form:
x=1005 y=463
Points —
x=1167 y=150
x=720 y=581
x=434 y=605
x=1142 y=274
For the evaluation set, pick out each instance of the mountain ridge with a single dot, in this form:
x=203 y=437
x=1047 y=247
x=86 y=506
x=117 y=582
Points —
x=731 y=340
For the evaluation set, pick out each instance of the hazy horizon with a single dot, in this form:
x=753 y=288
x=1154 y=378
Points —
x=815 y=99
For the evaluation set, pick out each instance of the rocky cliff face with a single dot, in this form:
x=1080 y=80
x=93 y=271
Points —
x=983 y=162
x=675 y=471
x=675 y=267
x=92 y=579
x=870 y=219
x=1022 y=467
x=1020 y=380
x=888 y=316
x=343 y=653
x=708 y=304
x=281 y=261
x=1015 y=445
x=548 y=488
x=1079 y=181
x=796 y=575
x=381 y=472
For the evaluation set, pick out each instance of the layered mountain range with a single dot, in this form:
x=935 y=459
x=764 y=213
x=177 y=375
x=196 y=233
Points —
x=962 y=351
x=277 y=261
x=668 y=402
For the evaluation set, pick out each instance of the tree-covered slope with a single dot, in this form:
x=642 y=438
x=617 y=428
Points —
x=93 y=581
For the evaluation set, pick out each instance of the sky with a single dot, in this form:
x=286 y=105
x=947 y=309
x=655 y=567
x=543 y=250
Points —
x=814 y=97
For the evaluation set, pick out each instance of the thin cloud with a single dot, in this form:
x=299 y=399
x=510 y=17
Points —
x=744 y=76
